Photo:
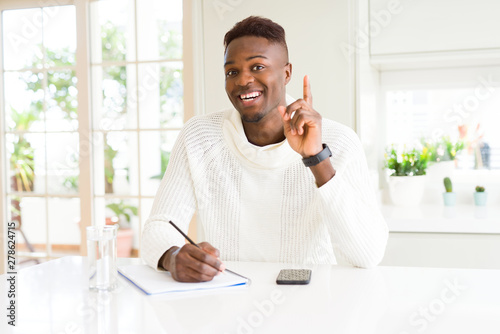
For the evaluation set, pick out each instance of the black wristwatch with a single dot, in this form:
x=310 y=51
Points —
x=316 y=159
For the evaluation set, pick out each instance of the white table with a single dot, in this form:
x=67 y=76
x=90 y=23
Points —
x=53 y=298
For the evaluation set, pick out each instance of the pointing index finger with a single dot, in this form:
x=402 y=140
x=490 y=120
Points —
x=307 y=90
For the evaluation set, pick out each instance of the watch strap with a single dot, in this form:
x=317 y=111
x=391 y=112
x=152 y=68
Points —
x=316 y=159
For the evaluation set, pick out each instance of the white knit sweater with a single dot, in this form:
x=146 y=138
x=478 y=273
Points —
x=261 y=203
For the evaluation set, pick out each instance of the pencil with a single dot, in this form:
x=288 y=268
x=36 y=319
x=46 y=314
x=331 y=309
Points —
x=193 y=243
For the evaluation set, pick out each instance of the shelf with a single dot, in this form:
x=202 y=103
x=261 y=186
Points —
x=441 y=219
x=439 y=59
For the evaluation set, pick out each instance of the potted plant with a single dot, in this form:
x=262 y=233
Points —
x=442 y=154
x=480 y=196
x=407 y=175
x=123 y=214
x=449 y=197
x=443 y=149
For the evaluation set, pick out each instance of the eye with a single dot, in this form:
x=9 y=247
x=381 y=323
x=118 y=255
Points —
x=257 y=68
x=230 y=73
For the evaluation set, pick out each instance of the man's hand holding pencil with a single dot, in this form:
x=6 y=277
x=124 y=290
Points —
x=193 y=263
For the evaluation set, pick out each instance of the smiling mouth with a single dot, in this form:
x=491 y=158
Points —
x=249 y=96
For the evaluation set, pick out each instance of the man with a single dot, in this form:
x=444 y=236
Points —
x=270 y=179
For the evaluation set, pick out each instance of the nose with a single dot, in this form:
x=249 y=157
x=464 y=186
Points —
x=244 y=78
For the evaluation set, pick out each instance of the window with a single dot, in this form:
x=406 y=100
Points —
x=454 y=105
x=136 y=109
x=41 y=128
x=137 y=104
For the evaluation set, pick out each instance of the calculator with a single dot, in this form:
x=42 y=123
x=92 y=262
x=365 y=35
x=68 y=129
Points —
x=294 y=276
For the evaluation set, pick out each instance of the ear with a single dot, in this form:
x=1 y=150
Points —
x=288 y=73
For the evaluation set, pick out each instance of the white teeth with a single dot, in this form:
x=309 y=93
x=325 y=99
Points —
x=251 y=95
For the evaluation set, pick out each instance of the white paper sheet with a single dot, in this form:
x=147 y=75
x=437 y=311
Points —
x=152 y=282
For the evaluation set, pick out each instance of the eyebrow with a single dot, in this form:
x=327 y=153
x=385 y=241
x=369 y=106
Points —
x=249 y=58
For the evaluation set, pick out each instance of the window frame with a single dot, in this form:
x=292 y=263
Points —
x=451 y=77
x=433 y=77
x=83 y=68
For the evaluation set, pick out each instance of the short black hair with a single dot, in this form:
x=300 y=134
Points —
x=259 y=27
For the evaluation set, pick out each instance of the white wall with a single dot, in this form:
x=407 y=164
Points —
x=435 y=26
x=314 y=33
x=426 y=33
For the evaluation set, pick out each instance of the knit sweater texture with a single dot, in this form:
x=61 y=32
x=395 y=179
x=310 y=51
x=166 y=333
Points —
x=261 y=203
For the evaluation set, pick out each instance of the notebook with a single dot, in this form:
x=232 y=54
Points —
x=153 y=282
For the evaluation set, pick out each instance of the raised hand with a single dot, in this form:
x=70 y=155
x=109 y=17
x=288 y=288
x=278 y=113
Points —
x=302 y=124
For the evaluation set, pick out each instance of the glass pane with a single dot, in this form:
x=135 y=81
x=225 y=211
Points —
x=26 y=157
x=161 y=95
x=62 y=104
x=62 y=163
x=155 y=153
x=29 y=214
x=59 y=35
x=114 y=98
x=22 y=40
x=124 y=212
x=116 y=164
x=64 y=231
x=113 y=35
x=159 y=29
x=100 y=211
x=24 y=101
x=453 y=123
x=146 y=206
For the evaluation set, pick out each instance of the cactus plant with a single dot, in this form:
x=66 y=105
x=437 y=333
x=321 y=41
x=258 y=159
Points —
x=480 y=196
x=447 y=185
x=480 y=189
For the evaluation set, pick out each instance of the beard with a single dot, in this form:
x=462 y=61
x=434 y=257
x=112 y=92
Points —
x=255 y=118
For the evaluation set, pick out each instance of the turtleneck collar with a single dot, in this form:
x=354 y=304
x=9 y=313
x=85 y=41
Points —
x=272 y=156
